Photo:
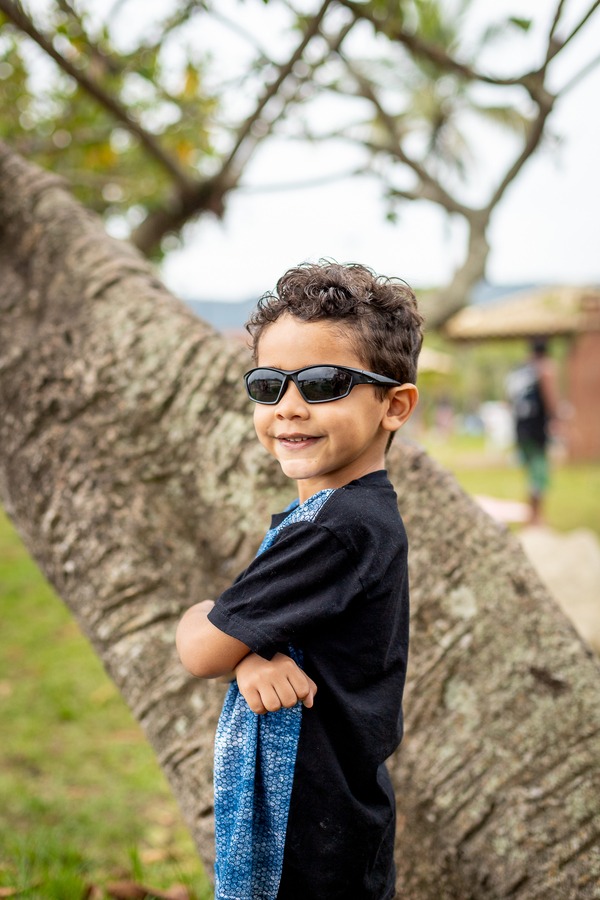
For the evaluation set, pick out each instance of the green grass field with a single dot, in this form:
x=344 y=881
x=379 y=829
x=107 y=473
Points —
x=573 y=499
x=82 y=800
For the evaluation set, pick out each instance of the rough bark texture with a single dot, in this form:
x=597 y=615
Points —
x=128 y=464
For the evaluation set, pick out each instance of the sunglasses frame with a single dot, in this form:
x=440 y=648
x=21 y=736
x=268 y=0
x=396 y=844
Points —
x=358 y=376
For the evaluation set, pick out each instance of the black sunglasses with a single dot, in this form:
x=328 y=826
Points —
x=317 y=384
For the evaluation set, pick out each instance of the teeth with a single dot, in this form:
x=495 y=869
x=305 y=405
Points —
x=294 y=440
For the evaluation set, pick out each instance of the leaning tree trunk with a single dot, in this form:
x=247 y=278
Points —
x=128 y=464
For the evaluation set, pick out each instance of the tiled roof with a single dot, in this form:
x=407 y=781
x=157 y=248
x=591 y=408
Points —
x=539 y=311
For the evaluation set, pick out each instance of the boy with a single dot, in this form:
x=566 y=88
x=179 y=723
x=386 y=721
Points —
x=304 y=807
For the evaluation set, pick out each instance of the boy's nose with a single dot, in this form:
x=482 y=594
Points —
x=292 y=403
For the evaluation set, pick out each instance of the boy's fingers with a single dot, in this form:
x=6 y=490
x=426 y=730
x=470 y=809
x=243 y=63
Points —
x=269 y=687
x=302 y=684
x=286 y=693
x=270 y=699
x=306 y=690
x=255 y=703
x=309 y=700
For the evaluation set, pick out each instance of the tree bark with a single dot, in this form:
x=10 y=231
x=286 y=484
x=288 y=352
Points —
x=128 y=464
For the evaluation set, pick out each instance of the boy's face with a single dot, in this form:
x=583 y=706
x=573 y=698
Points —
x=323 y=445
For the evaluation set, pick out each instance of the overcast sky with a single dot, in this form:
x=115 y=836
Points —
x=546 y=230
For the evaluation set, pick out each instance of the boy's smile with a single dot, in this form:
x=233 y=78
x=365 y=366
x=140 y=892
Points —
x=324 y=445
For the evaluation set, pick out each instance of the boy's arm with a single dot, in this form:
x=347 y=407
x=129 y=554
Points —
x=269 y=684
x=266 y=685
x=204 y=649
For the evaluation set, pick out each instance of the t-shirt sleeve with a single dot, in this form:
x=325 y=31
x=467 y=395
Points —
x=304 y=579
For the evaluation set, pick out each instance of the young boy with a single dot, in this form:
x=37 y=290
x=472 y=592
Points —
x=304 y=807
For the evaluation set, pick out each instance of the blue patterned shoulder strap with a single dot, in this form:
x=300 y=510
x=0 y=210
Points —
x=255 y=756
x=297 y=512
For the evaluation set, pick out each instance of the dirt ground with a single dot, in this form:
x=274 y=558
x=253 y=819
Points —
x=569 y=564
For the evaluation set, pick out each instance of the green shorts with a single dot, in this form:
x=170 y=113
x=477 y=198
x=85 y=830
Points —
x=534 y=458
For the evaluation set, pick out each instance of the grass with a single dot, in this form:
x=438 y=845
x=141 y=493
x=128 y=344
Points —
x=573 y=499
x=82 y=799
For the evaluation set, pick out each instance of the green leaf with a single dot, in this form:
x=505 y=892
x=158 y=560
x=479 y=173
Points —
x=523 y=24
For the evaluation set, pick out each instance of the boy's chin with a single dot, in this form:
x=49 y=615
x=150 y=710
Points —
x=298 y=469
x=295 y=470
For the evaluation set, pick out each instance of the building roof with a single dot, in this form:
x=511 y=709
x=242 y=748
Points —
x=549 y=311
x=431 y=360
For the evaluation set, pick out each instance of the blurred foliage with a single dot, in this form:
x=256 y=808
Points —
x=153 y=113
x=478 y=372
x=49 y=117
x=158 y=75
x=432 y=102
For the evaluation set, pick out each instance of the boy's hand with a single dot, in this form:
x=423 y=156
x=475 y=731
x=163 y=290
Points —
x=267 y=685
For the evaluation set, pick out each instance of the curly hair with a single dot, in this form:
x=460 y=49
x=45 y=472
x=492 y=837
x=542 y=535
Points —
x=379 y=315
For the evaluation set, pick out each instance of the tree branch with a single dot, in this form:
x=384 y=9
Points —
x=20 y=19
x=431 y=52
x=305 y=183
x=532 y=81
x=556 y=45
x=536 y=132
x=450 y=299
x=438 y=307
x=271 y=90
x=574 y=81
x=555 y=22
x=431 y=186
x=211 y=193
x=109 y=63
x=97 y=53
x=235 y=27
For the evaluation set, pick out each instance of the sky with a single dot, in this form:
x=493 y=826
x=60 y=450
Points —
x=545 y=231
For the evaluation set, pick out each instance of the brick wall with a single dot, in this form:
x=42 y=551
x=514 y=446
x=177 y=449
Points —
x=583 y=391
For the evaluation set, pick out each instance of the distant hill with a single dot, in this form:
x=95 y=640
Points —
x=223 y=315
x=484 y=292
x=230 y=317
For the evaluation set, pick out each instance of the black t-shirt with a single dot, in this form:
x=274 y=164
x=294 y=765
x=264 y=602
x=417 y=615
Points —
x=336 y=588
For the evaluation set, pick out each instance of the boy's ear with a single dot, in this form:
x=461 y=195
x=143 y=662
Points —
x=401 y=402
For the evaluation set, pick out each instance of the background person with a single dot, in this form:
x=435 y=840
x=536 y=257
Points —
x=532 y=391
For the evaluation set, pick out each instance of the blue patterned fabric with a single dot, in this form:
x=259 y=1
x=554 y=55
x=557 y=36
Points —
x=255 y=757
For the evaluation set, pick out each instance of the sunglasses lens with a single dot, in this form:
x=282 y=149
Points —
x=264 y=385
x=321 y=383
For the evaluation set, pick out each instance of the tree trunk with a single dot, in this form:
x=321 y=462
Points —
x=128 y=464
